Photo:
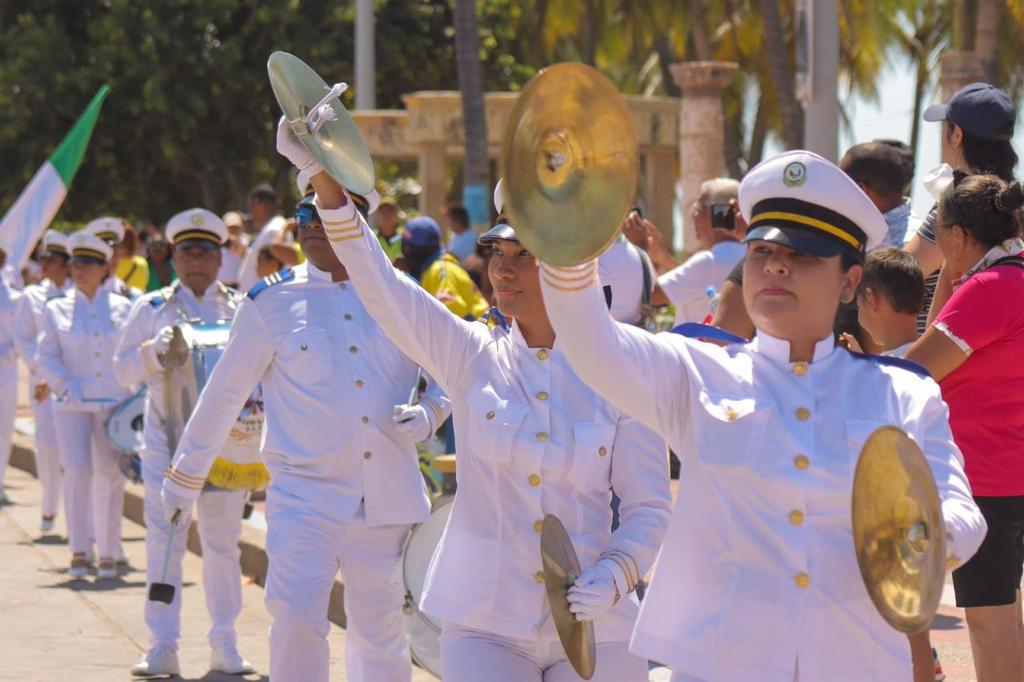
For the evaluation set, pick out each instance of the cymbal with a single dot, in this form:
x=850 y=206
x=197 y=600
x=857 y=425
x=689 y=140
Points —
x=571 y=161
x=561 y=568
x=337 y=144
x=898 y=531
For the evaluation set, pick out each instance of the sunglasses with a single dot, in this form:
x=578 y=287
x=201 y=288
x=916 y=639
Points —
x=306 y=216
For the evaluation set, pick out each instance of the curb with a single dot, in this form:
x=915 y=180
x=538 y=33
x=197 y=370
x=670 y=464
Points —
x=253 y=543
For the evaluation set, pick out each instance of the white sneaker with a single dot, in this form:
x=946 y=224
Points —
x=79 y=567
x=107 y=570
x=157 y=662
x=226 y=659
x=47 y=524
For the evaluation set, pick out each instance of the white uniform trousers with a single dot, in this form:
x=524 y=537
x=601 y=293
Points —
x=48 y=468
x=220 y=529
x=91 y=478
x=305 y=552
x=8 y=406
x=469 y=655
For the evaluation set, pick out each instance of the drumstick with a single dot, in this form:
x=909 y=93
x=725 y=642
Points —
x=414 y=395
x=162 y=591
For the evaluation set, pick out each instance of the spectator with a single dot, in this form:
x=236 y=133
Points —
x=388 y=233
x=265 y=208
x=233 y=252
x=161 y=266
x=462 y=240
x=890 y=296
x=439 y=272
x=973 y=349
x=129 y=267
x=267 y=263
x=692 y=286
x=879 y=170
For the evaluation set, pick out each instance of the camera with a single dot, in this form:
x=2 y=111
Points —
x=723 y=216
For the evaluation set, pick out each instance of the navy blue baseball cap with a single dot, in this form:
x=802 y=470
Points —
x=981 y=109
x=422 y=231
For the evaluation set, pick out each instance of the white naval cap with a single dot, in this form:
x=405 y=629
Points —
x=196 y=225
x=107 y=228
x=55 y=242
x=803 y=201
x=86 y=246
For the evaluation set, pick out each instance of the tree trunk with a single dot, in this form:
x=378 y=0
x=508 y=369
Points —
x=776 y=52
x=986 y=34
x=759 y=134
x=476 y=179
x=590 y=33
x=920 y=85
x=666 y=57
x=699 y=30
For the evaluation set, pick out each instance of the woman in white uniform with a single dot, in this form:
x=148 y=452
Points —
x=75 y=358
x=532 y=440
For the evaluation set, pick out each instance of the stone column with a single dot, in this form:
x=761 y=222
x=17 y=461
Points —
x=701 y=131
x=432 y=177
x=659 y=189
x=957 y=69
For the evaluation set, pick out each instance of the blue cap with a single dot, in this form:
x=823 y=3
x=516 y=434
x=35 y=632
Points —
x=422 y=231
x=982 y=110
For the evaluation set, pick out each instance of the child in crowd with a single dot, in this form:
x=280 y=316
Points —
x=889 y=298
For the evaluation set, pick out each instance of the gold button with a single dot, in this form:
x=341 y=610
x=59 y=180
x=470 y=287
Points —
x=366 y=420
x=730 y=414
x=539 y=577
x=98 y=375
x=343 y=285
x=534 y=480
x=353 y=349
x=304 y=347
x=796 y=517
x=542 y=436
x=542 y=395
x=800 y=369
x=538 y=525
x=802 y=580
x=359 y=383
x=542 y=354
x=803 y=414
x=602 y=451
x=490 y=415
x=347 y=316
x=367 y=455
x=94 y=317
x=96 y=354
x=952 y=562
x=801 y=462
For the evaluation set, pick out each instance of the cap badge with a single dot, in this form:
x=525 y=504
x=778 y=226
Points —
x=197 y=219
x=794 y=175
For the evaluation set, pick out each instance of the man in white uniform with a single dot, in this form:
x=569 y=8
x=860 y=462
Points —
x=758 y=578
x=345 y=483
x=264 y=206
x=29 y=325
x=196 y=236
x=9 y=298
x=691 y=287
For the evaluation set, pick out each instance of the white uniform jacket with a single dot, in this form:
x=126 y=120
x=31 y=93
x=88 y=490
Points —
x=136 y=361
x=330 y=382
x=75 y=355
x=29 y=320
x=9 y=303
x=758 y=570
x=531 y=440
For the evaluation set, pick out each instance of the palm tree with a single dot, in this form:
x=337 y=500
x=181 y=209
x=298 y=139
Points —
x=476 y=179
x=922 y=33
x=776 y=53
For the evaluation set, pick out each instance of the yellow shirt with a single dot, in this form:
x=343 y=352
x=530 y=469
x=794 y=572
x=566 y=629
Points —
x=134 y=272
x=449 y=283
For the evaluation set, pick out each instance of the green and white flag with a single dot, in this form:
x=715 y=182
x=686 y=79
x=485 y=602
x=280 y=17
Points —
x=27 y=220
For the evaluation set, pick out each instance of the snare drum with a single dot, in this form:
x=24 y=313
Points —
x=124 y=426
x=423 y=632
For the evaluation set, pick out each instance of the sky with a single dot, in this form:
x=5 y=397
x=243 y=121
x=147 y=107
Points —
x=890 y=116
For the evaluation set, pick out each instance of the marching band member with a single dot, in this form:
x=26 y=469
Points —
x=532 y=440
x=9 y=299
x=758 y=577
x=196 y=235
x=75 y=358
x=56 y=282
x=345 y=485
x=111 y=230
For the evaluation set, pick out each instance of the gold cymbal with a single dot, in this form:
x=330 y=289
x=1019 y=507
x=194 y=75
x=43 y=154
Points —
x=898 y=531
x=571 y=161
x=561 y=568
x=337 y=143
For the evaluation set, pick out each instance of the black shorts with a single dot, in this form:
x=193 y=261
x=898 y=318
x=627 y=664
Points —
x=992 y=576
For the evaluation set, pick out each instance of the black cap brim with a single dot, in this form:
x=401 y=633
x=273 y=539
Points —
x=805 y=241
x=54 y=254
x=502 y=231
x=935 y=113
x=204 y=244
x=88 y=260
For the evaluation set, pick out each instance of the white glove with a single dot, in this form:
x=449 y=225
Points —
x=73 y=393
x=175 y=505
x=290 y=148
x=594 y=592
x=157 y=347
x=413 y=422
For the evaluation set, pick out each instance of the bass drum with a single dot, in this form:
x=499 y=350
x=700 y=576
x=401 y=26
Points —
x=424 y=632
x=124 y=426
